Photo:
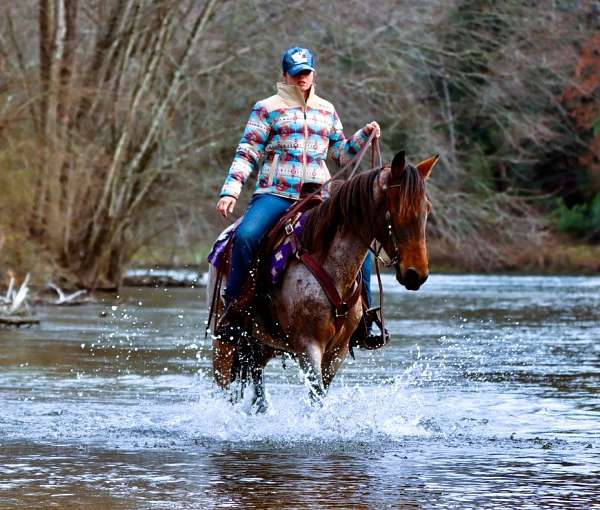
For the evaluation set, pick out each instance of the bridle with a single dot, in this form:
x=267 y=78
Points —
x=395 y=259
x=376 y=154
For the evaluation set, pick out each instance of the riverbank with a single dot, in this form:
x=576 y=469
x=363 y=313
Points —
x=187 y=266
x=557 y=257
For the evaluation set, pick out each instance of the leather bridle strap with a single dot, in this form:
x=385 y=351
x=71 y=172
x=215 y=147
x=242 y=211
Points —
x=390 y=226
x=340 y=306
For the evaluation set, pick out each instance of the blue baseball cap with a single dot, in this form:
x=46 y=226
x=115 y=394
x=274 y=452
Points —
x=297 y=59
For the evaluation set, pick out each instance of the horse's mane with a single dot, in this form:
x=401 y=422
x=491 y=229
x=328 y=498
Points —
x=351 y=204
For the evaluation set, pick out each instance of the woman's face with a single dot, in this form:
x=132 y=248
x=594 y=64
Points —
x=303 y=80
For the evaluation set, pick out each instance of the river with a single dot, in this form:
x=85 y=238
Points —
x=488 y=397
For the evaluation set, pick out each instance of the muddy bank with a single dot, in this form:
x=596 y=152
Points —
x=554 y=258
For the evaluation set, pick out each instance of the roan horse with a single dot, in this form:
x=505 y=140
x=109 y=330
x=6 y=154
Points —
x=388 y=205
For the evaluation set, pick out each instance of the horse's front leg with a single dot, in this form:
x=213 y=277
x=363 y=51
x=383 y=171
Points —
x=338 y=349
x=223 y=360
x=332 y=360
x=310 y=360
x=259 y=401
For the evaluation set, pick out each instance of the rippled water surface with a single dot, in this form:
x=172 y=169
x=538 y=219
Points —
x=488 y=397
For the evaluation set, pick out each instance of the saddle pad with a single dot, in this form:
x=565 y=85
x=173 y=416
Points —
x=278 y=260
x=281 y=255
x=215 y=257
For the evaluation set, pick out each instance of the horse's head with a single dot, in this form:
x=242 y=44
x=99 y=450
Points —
x=406 y=207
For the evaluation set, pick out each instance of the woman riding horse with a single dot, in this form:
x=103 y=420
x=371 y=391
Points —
x=292 y=132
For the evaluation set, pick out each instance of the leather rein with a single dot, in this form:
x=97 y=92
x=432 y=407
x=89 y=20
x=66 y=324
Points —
x=342 y=306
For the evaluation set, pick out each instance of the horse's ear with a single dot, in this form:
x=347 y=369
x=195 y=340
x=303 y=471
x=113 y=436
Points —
x=398 y=164
x=425 y=167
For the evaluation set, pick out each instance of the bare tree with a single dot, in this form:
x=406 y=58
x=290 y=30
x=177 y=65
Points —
x=119 y=118
x=101 y=112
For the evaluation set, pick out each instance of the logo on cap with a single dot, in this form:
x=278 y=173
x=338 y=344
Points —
x=300 y=57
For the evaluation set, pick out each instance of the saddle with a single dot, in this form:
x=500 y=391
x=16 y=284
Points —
x=273 y=254
x=282 y=242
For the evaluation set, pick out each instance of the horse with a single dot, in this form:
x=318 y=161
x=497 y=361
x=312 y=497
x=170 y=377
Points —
x=388 y=205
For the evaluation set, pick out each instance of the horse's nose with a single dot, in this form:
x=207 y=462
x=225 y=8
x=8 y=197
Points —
x=413 y=280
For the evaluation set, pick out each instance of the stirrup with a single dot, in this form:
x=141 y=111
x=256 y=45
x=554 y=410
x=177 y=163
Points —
x=363 y=338
x=370 y=340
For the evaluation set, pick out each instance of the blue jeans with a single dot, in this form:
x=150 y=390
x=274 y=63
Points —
x=260 y=217
x=366 y=278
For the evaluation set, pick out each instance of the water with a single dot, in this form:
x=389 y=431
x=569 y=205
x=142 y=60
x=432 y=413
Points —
x=487 y=398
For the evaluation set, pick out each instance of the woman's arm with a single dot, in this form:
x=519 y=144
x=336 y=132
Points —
x=249 y=151
x=343 y=149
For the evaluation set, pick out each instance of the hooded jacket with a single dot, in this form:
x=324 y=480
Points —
x=292 y=138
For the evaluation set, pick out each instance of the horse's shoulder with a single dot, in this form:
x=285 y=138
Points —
x=300 y=285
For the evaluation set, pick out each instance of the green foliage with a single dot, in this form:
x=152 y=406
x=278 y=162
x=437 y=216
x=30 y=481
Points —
x=582 y=220
x=596 y=126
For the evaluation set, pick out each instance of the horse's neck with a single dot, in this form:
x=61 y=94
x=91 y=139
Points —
x=344 y=259
x=346 y=255
x=348 y=250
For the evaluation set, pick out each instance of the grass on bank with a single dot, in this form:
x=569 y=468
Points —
x=560 y=256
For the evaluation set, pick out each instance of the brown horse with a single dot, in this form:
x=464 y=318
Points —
x=388 y=205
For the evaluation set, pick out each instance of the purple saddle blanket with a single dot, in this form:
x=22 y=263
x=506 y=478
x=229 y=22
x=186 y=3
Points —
x=278 y=260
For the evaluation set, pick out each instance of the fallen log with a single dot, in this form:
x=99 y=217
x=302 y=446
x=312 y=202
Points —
x=162 y=277
x=18 y=321
x=76 y=298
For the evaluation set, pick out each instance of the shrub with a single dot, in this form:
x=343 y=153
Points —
x=581 y=220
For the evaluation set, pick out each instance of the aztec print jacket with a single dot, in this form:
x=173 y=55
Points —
x=293 y=138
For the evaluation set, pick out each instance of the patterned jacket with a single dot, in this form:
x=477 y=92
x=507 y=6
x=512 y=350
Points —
x=292 y=137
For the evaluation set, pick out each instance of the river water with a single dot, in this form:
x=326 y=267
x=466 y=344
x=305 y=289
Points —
x=488 y=397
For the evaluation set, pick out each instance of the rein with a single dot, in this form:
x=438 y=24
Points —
x=341 y=306
x=371 y=142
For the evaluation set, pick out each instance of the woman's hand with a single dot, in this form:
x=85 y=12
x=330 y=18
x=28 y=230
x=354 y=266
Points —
x=373 y=126
x=225 y=205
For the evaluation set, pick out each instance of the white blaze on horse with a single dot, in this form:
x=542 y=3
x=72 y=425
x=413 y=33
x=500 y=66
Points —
x=388 y=205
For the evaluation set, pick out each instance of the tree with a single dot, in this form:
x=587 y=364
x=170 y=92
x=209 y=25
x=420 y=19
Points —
x=98 y=115
x=119 y=118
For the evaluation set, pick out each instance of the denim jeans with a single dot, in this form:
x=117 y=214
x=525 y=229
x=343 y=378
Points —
x=366 y=277
x=262 y=214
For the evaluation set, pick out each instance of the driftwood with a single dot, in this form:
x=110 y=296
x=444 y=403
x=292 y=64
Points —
x=77 y=298
x=14 y=306
x=72 y=299
x=15 y=300
x=18 y=321
x=165 y=278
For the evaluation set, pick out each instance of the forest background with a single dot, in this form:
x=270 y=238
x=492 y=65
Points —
x=119 y=120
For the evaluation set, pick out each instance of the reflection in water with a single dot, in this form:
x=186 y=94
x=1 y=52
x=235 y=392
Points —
x=486 y=398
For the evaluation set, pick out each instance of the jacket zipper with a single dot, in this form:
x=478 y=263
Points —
x=304 y=150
